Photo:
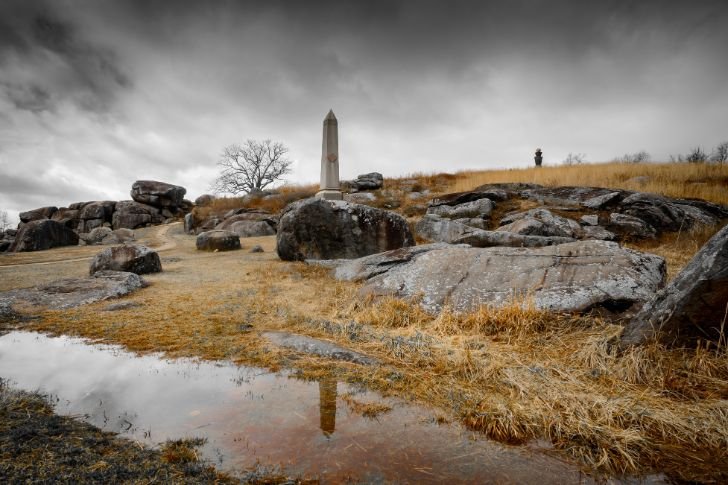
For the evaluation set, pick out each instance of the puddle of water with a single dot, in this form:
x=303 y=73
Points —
x=251 y=416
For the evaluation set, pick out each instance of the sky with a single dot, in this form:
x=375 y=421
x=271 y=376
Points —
x=96 y=94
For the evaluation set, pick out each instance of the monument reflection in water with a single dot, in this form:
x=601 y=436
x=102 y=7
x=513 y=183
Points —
x=327 y=406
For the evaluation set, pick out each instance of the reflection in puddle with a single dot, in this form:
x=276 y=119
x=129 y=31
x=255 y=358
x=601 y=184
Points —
x=251 y=416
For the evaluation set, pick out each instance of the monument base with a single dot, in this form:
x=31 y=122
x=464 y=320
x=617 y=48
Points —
x=330 y=194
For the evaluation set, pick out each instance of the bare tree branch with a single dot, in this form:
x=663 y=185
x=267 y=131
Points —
x=251 y=167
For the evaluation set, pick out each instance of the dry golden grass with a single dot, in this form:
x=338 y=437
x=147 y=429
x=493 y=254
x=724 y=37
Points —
x=286 y=195
x=515 y=374
x=683 y=180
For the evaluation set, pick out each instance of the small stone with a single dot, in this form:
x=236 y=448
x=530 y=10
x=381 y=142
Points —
x=257 y=249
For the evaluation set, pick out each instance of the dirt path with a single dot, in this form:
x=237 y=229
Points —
x=21 y=270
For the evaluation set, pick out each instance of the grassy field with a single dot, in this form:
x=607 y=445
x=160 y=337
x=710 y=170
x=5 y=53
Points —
x=516 y=374
x=708 y=181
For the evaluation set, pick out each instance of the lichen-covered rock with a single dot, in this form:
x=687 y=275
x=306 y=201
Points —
x=572 y=277
x=436 y=229
x=480 y=208
x=72 y=292
x=217 y=240
x=157 y=194
x=132 y=258
x=541 y=222
x=43 y=234
x=693 y=306
x=320 y=229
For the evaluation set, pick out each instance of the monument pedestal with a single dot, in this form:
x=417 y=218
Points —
x=330 y=194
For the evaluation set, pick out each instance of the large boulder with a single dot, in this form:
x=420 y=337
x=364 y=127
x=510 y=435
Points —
x=322 y=229
x=43 y=234
x=131 y=215
x=98 y=210
x=572 y=277
x=131 y=258
x=693 y=306
x=37 y=214
x=217 y=240
x=157 y=194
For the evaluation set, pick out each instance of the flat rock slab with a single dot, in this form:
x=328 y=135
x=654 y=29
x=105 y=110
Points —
x=73 y=292
x=322 y=348
x=572 y=277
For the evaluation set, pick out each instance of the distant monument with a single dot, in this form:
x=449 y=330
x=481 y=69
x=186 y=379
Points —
x=330 y=188
x=538 y=158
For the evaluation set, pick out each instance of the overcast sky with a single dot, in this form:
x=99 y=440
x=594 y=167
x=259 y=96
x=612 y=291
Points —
x=97 y=94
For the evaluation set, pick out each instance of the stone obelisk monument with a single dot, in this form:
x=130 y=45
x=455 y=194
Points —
x=330 y=188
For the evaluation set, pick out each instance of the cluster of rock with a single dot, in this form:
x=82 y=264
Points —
x=559 y=253
x=244 y=222
x=602 y=214
x=47 y=227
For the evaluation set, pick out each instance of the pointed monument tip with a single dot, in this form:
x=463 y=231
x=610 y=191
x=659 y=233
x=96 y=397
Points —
x=330 y=116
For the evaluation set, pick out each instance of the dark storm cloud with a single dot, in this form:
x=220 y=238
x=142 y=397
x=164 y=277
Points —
x=114 y=91
x=63 y=65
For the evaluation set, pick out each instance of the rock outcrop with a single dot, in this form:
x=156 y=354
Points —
x=320 y=229
x=43 y=234
x=217 y=240
x=571 y=277
x=132 y=258
x=165 y=203
x=693 y=306
x=611 y=215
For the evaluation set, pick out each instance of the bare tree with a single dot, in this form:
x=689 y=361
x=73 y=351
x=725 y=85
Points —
x=696 y=155
x=574 y=158
x=4 y=220
x=721 y=153
x=251 y=167
x=638 y=157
